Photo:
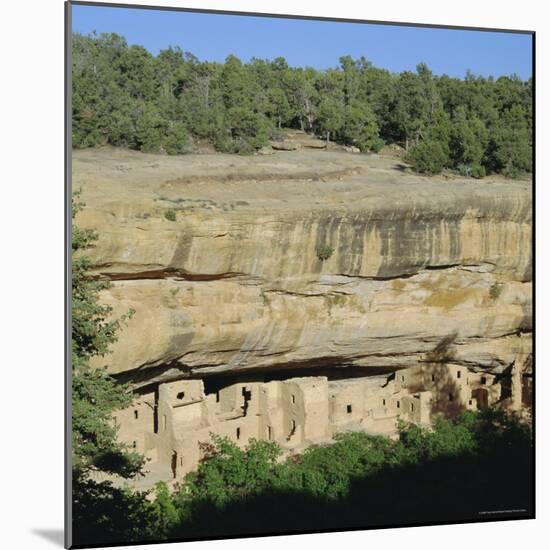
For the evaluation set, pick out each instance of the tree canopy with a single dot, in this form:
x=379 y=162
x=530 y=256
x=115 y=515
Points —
x=125 y=96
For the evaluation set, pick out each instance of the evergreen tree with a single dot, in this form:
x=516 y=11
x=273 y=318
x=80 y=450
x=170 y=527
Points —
x=468 y=143
x=95 y=394
x=359 y=127
x=428 y=157
x=329 y=117
x=510 y=147
x=151 y=129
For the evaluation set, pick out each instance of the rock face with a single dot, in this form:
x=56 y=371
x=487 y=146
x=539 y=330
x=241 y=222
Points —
x=284 y=146
x=422 y=269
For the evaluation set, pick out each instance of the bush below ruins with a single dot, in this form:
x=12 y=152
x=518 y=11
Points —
x=476 y=462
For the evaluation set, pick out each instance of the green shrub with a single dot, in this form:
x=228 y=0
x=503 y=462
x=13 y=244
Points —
x=471 y=170
x=512 y=172
x=150 y=129
x=176 y=139
x=170 y=215
x=228 y=473
x=242 y=146
x=428 y=157
x=478 y=171
x=239 y=145
x=496 y=290
x=275 y=134
x=377 y=144
x=325 y=252
x=223 y=143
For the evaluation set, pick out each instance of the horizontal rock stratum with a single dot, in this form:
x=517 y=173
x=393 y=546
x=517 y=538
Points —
x=422 y=268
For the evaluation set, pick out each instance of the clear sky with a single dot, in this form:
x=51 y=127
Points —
x=318 y=44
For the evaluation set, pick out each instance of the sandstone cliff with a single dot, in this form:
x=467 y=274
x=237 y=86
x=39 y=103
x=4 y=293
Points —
x=423 y=269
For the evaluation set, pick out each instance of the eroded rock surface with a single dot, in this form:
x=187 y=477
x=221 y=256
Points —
x=422 y=268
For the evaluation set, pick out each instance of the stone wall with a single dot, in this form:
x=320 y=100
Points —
x=295 y=412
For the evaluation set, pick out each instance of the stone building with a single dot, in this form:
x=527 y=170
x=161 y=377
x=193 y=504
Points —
x=168 y=423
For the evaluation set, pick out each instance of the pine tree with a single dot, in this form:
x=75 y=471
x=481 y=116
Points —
x=468 y=142
x=95 y=394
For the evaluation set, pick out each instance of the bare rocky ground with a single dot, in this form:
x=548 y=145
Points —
x=300 y=179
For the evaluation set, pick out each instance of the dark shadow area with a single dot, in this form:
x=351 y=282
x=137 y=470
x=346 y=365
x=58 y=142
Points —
x=214 y=383
x=446 y=393
x=144 y=379
x=55 y=536
x=452 y=489
x=444 y=386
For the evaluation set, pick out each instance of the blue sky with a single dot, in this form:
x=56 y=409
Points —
x=318 y=44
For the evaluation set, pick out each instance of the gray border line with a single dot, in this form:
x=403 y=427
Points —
x=68 y=531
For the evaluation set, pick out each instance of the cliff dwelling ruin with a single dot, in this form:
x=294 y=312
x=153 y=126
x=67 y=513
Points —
x=170 y=422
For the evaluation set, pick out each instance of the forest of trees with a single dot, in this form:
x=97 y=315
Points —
x=125 y=96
